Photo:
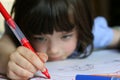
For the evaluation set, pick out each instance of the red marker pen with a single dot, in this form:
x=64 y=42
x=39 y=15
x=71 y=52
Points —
x=18 y=33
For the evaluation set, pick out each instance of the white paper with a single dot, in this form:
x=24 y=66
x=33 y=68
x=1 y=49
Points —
x=100 y=62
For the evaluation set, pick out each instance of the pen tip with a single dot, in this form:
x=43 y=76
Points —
x=46 y=73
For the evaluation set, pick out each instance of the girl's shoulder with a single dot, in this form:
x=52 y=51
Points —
x=102 y=32
x=100 y=22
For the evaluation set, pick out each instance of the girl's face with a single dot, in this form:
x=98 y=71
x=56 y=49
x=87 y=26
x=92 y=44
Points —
x=58 y=46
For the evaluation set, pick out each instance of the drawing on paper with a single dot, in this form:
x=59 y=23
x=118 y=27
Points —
x=76 y=67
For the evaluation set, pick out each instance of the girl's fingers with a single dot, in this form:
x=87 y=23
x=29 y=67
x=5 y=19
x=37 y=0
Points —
x=43 y=57
x=22 y=62
x=16 y=71
x=12 y=75
x=32 y=58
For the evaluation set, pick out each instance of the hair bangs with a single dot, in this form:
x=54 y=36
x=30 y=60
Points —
x=44 y=20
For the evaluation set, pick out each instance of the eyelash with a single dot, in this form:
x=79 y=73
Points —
x=67 y=36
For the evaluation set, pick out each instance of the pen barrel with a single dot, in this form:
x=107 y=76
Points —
x=18 y=33
x=15 y=29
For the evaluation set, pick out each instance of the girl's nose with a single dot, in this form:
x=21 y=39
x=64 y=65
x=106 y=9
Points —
x=53 y=48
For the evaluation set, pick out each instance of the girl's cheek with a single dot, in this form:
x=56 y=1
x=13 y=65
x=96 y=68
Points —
x=40 y=48
x=43 y=49
x=70 y=48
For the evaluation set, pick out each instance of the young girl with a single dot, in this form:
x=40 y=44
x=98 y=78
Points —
x=57 y=29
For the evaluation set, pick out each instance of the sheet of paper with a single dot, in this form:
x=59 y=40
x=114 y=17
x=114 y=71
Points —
x=105 y=61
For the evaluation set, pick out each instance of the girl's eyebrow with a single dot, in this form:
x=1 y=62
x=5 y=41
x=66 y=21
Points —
x=67 y=32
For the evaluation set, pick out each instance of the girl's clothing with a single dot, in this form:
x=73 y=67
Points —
x=103 y=34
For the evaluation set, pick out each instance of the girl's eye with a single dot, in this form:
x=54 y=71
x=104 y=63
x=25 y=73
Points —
x=67 y=36
x=40 y=39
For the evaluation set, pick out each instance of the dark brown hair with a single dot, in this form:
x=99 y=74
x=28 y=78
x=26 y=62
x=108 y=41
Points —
x=45 y=16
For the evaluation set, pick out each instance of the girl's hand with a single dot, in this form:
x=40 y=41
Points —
x=24 y=63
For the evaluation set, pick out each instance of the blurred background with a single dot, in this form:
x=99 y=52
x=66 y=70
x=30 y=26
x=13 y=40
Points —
x=110 y=9
x=7 y=4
